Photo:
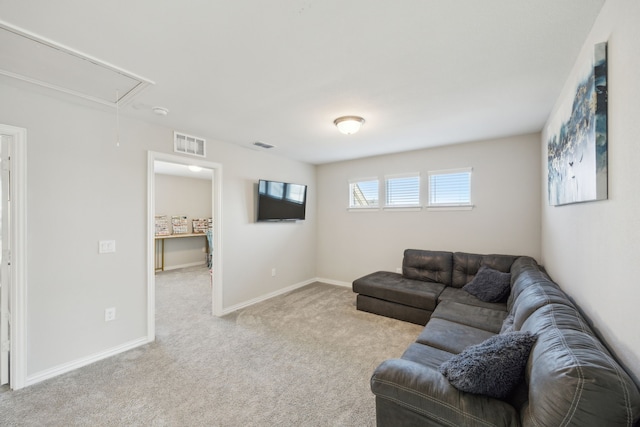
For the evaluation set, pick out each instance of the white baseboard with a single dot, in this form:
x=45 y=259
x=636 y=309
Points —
x=333 y=282
x=267 y=296
x=282 y=291
x=68 y=367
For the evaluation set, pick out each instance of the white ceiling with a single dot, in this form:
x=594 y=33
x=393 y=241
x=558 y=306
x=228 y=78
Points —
x=421 y=72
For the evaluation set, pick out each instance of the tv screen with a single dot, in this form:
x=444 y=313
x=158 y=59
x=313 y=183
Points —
x=281 y=201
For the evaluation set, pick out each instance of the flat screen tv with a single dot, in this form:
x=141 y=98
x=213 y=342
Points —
x=281 y=201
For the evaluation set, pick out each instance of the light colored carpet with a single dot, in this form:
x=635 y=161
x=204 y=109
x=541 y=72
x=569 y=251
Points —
x=299 y=359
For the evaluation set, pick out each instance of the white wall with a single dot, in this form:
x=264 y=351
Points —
x=82 y=189
x=506 y=217
x=593 y=249
x=190 y=197
x=252 y=249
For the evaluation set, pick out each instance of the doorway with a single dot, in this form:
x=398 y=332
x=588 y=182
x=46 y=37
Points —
x=216 y=240
x=13 y=153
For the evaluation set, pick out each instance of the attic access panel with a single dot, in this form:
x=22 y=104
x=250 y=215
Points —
x=35 y=59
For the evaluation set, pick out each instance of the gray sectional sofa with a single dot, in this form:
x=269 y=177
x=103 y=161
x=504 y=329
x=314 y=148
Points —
x=568 y=377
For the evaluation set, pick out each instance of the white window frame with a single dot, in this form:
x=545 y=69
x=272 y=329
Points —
x=450 y=206
x=352 y=207
x=408 y=206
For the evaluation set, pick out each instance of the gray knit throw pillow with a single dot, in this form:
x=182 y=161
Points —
x=492 y=368
x=489 y=285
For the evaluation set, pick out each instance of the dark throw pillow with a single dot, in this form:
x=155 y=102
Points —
x=492 y=368
x=489 y=285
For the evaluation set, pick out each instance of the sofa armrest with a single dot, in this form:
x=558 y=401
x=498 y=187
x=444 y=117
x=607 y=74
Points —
x=427 y=392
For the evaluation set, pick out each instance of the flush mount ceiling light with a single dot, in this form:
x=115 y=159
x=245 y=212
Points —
x=194 y=168
x=349 y=124
x=160 y=111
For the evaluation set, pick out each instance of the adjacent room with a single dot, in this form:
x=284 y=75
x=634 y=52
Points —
x=296 y=212
x=182 y=220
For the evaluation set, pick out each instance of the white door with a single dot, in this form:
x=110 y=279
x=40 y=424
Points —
x=5 y=260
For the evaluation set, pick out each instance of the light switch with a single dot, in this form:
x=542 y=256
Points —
x=106 y=246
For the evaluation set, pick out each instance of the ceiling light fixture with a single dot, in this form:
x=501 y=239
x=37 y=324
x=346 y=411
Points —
x=159 y=111
x=194 y=168
x=349 y=124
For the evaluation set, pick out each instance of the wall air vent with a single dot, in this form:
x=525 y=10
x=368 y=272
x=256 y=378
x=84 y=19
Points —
x=31 y=58
x=188 y=144
x=263 y=145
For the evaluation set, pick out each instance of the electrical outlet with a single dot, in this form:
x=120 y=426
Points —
x=399 y=270
x=109 y=314
x=106 y=246
x=273 y=272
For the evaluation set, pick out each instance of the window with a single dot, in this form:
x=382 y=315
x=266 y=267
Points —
x=402 y=190
x=450 y=188
x=363 y=194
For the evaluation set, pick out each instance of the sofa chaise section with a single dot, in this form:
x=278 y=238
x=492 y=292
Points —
x=427 y=278
x=411 y=296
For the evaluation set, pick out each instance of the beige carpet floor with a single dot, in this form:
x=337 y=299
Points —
x=300 y=359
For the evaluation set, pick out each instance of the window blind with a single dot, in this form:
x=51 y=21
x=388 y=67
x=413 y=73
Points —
x=402 y=191
x=450 y=188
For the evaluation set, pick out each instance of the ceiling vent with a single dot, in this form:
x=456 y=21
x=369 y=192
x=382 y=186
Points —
x=263 y=145
x=188 y=144
x=29 y=57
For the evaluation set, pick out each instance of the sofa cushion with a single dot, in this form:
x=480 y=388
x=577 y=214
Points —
x=464 y=297
x=451 y=336
x=426 y=355
x=523 y=280
x=427 y=266
x=493 y=368
x=534 y=297
x=507 y=324
x=466 y=266
x=489 y=285
x=411 y=394
x=523 y=263
x=479 y=317
x=392 y=309
x=558 y=316
x=394 y=287
x=573 y=380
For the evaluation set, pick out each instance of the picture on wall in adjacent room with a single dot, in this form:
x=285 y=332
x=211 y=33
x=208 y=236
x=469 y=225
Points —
x=577 y=138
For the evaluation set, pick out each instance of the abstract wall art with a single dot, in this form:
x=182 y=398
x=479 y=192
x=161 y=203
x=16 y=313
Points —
x=577 y=138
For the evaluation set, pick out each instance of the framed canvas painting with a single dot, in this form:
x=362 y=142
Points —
x=577 y=138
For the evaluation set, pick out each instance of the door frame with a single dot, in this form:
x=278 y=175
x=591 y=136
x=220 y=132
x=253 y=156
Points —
x=18 y=235
x=216 y=209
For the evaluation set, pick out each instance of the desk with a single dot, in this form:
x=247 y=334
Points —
x=161 y=239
